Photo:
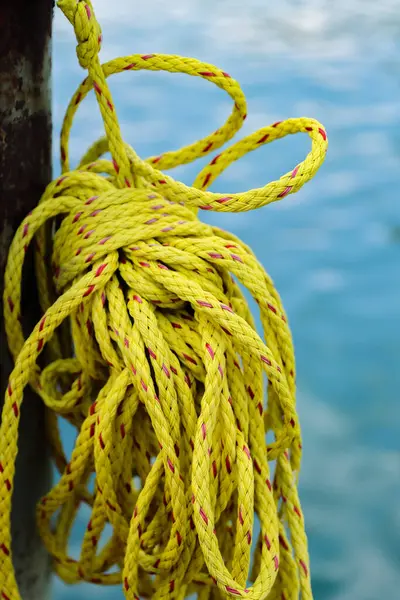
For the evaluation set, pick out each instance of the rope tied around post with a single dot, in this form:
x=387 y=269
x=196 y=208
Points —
x=147 y=346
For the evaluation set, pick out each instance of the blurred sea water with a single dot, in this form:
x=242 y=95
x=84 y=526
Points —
x=333 y=249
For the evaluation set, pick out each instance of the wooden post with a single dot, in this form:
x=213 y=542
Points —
x=25 y=170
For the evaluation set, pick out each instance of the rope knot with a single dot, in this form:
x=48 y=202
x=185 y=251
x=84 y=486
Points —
x=86 y=27
x=88 y=34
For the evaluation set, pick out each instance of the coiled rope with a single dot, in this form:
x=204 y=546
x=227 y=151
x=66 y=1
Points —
x=150 y=351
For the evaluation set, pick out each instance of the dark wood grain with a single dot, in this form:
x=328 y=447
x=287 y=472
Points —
x=25 y=170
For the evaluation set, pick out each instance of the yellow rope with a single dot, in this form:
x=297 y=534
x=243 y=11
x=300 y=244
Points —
x=151 y=352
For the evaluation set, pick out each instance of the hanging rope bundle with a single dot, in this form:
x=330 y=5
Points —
x=150 y=351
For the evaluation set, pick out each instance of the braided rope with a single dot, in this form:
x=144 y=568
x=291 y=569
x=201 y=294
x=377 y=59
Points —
x=151 y=352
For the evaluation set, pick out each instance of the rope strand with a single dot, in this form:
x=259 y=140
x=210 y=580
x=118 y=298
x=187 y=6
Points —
x=151 y=353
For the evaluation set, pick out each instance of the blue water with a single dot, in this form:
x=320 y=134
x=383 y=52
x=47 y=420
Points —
x=333 y=249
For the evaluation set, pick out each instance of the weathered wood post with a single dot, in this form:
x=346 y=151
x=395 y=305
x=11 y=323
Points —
x=25 y=169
